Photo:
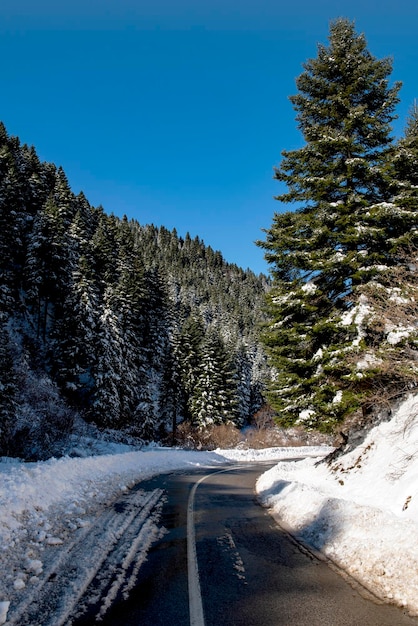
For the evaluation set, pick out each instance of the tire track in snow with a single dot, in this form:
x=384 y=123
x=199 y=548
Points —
x=110 y=552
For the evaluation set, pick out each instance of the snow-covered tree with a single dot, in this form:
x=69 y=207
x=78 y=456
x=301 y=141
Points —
x=187 y=350
x=243 y=368
x=406 y=171
x=214 y=397
x=384 y=355
x=345 y=230
x=173 y=399
x=74 y=341
x=8 y=388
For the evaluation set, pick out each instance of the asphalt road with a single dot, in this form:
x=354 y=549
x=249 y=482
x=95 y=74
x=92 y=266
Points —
x=223 y=561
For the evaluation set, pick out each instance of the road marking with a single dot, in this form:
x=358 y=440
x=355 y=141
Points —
x=195 y=595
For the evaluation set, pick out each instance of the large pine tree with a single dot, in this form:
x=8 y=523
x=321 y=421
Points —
x=345 y=230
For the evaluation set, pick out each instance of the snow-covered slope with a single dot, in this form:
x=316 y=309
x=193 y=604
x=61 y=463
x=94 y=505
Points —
x=362 y=510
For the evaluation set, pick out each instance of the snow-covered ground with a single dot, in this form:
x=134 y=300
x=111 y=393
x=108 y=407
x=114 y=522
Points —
x=361 y=512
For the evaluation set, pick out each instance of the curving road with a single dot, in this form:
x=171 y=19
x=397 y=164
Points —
x=222 y=561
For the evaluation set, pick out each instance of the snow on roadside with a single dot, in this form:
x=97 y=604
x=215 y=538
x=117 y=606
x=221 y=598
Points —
x=273 y=454
x=43 y=504
x=361 y=511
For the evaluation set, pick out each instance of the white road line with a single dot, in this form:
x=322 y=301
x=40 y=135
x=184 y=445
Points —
x=195 y=595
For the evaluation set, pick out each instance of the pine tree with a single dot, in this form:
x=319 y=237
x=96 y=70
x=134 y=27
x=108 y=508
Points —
x=49 y=265
x=243 y=368
x=214 y=398
x=173 y=396
x=12 y=215
x=108 y=372
x=344 y=231
x=189 y=353
x=75 y=337
x=8 y=389
x=406 y=172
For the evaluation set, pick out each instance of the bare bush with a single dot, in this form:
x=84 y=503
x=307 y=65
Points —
x=262 y=433
x=209 y=438
x=278 y=437
x=43 y=421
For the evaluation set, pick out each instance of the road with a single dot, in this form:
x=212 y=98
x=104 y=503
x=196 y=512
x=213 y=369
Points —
x=223 y=561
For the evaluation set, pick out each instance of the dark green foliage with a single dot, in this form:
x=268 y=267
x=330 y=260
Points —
x=117 y=317
x=8 y=388
x=349 y=226
x=406 y=168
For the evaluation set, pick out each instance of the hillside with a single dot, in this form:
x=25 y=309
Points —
x=128 y=325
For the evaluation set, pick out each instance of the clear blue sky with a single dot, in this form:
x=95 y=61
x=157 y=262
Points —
x=174 y=112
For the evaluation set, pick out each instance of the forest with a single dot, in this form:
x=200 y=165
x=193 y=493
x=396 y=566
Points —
x=130 y=327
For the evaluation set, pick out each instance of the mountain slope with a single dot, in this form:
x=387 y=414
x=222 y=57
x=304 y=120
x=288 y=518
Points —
x=111 y=319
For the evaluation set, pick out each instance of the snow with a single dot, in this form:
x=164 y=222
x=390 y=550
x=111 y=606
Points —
x=305 y=415
x=4 y=608
x=309 y=287
x=58 y=523
x=368 y=361
x=398 y=334
x=361 y=510
x=357 y=315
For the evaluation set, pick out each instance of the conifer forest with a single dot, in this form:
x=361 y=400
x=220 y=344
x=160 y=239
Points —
x=136 y=329
x=131 y=327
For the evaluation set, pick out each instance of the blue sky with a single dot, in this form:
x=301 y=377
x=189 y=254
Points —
x=175 y=112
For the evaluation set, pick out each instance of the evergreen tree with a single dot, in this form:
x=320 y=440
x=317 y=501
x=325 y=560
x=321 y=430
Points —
x=77 y=319
x=144 y=422
x=128 y=304
x=8 y=389
x=214 y=398
x=344 y=231
x=75 y=338
x=244 y=384
x=11 y=216
x=108 y=372
x=189 y=352
x=173 y=397
x=49 y=265
x=105 y=249
x=406 y=174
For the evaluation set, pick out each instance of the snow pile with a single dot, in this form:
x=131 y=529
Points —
x=361 y=511
x=272 y=454
x=43 y=505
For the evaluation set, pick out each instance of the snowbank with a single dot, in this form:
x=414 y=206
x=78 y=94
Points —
x=362 y=510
